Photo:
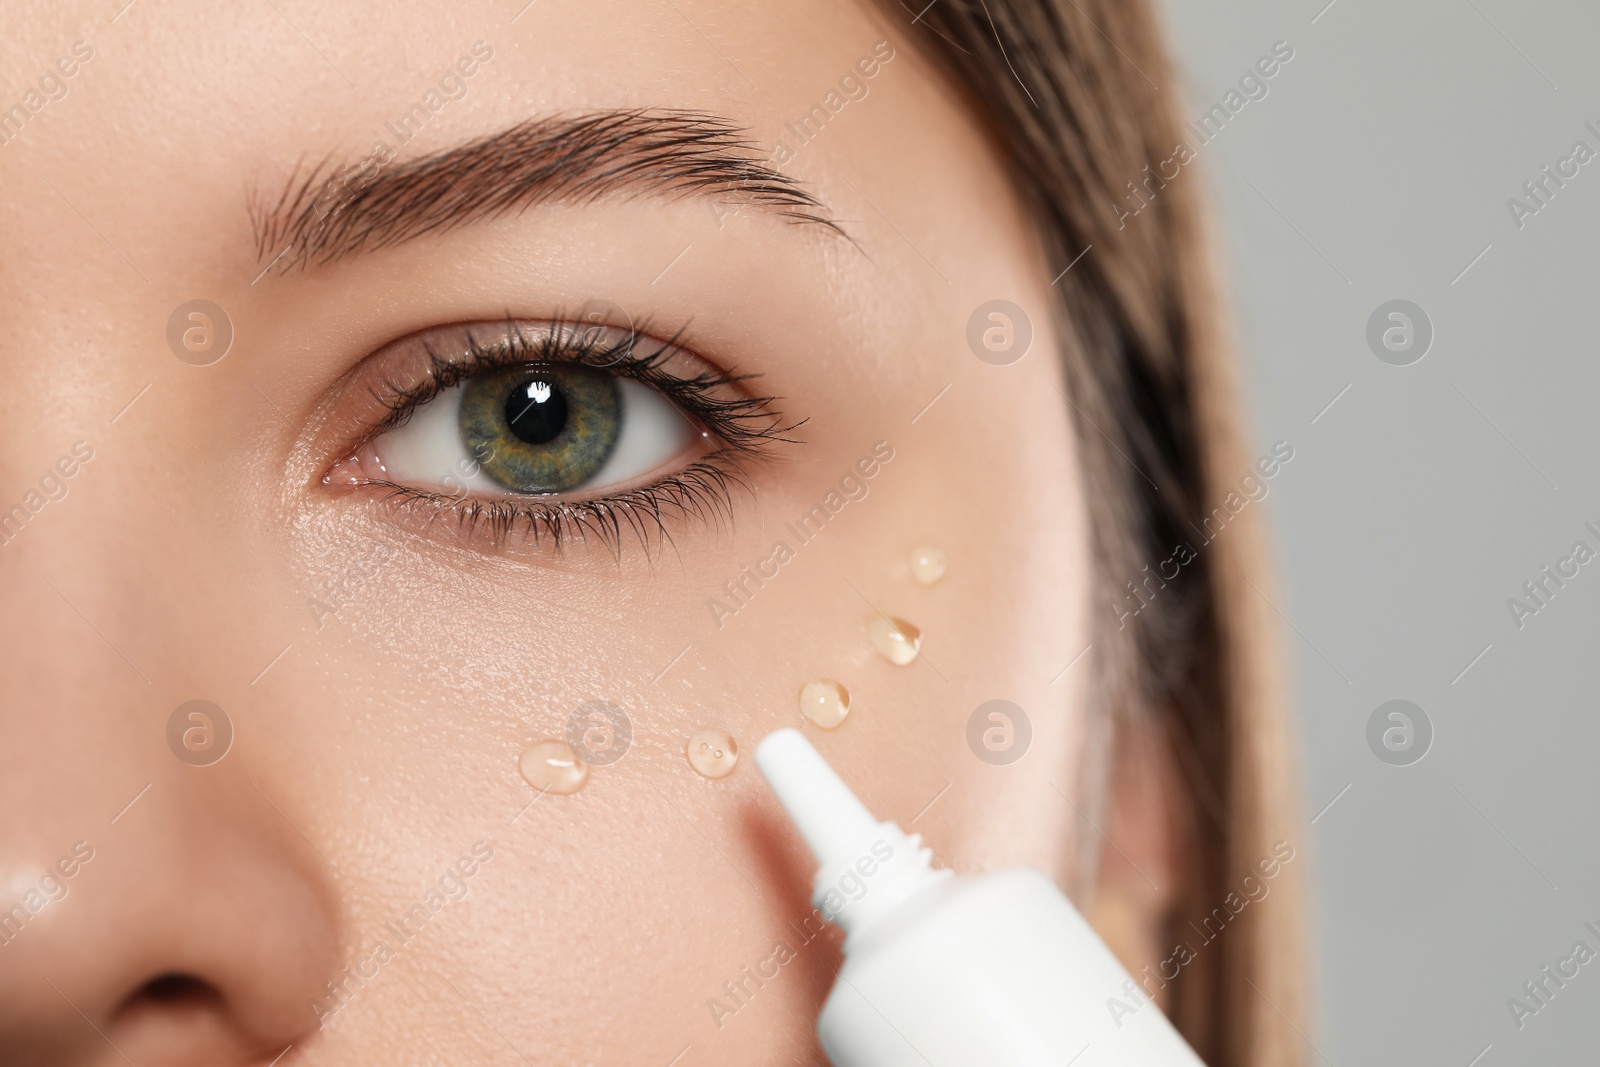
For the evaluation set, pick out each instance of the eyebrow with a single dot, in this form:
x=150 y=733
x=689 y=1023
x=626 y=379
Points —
x=339 y=211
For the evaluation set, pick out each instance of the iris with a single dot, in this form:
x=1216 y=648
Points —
x=543 y=427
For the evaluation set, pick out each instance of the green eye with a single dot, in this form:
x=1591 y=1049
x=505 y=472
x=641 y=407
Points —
x=541 y=427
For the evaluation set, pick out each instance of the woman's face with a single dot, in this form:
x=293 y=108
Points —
x=804 y=404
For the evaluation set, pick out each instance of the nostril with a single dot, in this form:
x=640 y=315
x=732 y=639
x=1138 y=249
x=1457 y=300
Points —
x=181 y=1020
x=169 y=998
x=184 y=1017
x=175 y=989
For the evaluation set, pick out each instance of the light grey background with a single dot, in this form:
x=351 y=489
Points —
x=1377 y=168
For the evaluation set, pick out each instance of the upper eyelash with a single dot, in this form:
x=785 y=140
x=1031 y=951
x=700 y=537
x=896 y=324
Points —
x=747 y=426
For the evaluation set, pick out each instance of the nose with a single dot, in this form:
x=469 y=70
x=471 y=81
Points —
x=193 y=929
x=156 y=909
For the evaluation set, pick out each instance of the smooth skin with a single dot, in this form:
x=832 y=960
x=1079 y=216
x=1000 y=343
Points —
x=376 y=744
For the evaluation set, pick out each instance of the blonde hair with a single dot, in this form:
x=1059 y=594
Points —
x=1069 y=90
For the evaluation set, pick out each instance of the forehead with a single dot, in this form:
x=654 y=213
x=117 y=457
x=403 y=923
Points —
x=339 y=78
x=176 y=115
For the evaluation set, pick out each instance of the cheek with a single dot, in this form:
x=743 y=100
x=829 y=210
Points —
x=992 y=481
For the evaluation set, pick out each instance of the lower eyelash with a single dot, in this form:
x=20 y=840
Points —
x=702 y=491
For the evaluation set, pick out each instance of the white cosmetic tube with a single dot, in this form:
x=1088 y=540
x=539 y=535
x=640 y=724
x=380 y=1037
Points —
x=939 y=971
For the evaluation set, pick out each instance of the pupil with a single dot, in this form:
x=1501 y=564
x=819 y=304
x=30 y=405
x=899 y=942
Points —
x=537 y=411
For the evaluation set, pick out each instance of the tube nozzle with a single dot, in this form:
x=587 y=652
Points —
x=829 y=816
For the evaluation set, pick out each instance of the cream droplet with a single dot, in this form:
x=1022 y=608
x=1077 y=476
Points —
x=824 y=702
x=896 y=639
x=712 y=752
x=552 y=767
x=928 y=564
